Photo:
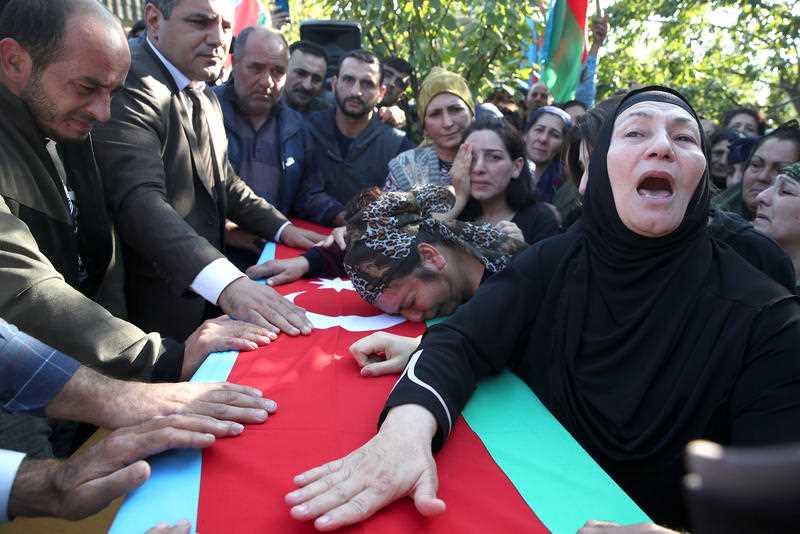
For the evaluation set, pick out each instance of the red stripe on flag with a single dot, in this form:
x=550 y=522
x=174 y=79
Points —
x=326 y=409
x=578 y=10
x=246 y=14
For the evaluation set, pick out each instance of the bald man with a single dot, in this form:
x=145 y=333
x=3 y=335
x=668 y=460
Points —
x=268 y=144
x=538 y=96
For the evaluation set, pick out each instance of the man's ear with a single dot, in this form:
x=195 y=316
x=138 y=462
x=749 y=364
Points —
x=431 y=256
x=334 y=79
x=381 y=91
x=153 y=18
x=16 y=65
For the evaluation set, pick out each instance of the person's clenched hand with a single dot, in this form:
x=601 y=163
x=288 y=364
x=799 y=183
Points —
x=383 y=353
x=510 y=229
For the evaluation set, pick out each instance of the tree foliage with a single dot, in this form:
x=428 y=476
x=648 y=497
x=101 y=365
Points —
x=479 y=40
x=720 y=53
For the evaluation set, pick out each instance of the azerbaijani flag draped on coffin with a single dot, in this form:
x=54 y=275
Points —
x=507 y=467
x=564 y=47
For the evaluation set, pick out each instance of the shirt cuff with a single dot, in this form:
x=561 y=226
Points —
x=280 y=231
x=9 y=464
x=33 y=372
x=214 y=278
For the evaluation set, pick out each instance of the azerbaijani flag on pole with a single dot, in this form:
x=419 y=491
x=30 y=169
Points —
x=564 y=47
x=249 y=13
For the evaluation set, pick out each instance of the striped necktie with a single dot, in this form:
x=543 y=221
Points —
x=205 y=161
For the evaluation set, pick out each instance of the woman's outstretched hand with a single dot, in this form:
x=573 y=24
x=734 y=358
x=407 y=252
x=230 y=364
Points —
x=396 y=463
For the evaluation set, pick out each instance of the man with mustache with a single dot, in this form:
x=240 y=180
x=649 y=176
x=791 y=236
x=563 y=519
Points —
x=163 y=157
x=269 y=146
x=352 y=145
x=308 y=64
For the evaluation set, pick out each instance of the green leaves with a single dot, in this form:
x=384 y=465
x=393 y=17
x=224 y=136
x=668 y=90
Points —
x=480 y=40
x=720 y=52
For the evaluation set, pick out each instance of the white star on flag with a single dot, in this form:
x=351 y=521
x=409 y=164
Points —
x=337 y=284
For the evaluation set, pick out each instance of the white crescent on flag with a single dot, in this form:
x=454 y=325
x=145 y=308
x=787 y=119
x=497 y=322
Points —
x=351 y=323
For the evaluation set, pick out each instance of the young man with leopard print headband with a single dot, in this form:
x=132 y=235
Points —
x=403 y=259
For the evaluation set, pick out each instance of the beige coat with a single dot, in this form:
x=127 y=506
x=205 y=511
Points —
x=40 y=291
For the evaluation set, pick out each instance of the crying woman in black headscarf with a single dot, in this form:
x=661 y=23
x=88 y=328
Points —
x=639 y=331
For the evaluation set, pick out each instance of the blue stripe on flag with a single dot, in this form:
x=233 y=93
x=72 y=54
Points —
x=173 y=491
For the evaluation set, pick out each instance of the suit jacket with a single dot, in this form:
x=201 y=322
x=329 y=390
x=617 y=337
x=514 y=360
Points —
x=40 y=290
x=170 y=219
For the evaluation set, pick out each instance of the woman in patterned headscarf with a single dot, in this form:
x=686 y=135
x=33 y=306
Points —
x=392 y=234
x=403 y=259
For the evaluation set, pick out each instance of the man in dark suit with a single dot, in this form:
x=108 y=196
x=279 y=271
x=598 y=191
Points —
x=163 y=156
x=60 y=277
x=59 y=257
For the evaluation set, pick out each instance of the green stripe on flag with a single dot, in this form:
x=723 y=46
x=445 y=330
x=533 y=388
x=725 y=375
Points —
x=556 y=476
x=562 y=72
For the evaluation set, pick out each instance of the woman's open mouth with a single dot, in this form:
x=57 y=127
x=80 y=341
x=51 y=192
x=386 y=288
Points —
x=655 y=187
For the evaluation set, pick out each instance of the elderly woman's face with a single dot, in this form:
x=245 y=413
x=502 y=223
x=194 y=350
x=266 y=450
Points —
x=778 y=213
x=445 y=118
x=765 y=163
x=543 y=140
x=655 y=162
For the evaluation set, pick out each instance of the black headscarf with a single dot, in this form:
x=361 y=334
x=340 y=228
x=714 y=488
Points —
x=648 y=333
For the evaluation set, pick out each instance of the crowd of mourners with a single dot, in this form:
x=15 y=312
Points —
x=631 y=259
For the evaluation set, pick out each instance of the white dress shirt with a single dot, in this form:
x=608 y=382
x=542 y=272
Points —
x=220 y=273
x=9 y=464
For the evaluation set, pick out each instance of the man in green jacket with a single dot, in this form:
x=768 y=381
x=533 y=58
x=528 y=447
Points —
x=60 y=276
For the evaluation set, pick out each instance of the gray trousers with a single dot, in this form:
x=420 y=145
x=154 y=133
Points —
x=37 y=437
